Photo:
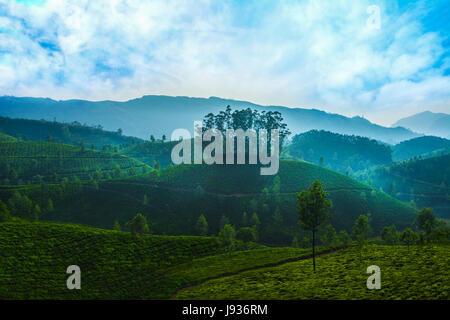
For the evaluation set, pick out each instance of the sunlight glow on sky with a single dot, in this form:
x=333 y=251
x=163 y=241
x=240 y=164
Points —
x=313 y=54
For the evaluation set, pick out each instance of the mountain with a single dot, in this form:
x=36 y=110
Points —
x=427 y=122
x=422 y=146
x=160 y=115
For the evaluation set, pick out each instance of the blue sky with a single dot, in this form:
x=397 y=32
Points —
x=313 y=54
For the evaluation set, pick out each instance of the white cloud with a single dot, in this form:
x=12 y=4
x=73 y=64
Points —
x=310 y=53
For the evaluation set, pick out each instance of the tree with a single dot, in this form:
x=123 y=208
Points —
x=254 y=220
x=116 y=226
x=312 y=209
x=164 y=138
x=295 y=242
x=227 y=234
x=426 y=221
x=246 y=234
x=390 y=235
x=50 y=207
x=152 y=138
x=409 y=237
x=306 y=243
x=344 y=238
x=201 y=227
x=329 y=238
x=4 y=212
x=223 y=221
x=360 y=232
x=138 y=224
x=145 y=200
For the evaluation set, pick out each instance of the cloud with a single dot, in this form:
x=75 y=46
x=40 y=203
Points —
x=297 y=53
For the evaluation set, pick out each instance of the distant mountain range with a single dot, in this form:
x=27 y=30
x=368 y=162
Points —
x=437 y=124
x=160 y=115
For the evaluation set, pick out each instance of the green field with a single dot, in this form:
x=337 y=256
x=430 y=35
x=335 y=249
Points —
x=37 y=162
x=418 y=273
x=34 y=258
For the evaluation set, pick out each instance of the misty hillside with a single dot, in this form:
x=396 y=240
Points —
x=160 y=115
x=427 y=122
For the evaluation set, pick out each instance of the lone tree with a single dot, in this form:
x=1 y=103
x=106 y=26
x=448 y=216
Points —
x=201 y=226
x=313 y=211
x=360 y=232
x=138 y=224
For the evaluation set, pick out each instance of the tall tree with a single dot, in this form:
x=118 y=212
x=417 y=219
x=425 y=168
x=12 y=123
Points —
x=201 y=227
x=313 y=211
x=409 y=237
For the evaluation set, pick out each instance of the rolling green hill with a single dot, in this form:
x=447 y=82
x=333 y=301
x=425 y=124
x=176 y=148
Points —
x=150 y=152
x=425 y=182
x=342 y=153
x=173 y=199
x=418 y=273
x=69 y=133
x=419 y=147
x=36 y=162
x=114 y=264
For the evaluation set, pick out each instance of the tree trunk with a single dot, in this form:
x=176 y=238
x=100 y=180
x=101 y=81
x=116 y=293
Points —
x=314 y=252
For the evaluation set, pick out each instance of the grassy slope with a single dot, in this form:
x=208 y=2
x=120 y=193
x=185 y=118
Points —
x=34 y=258
x=421 y=273
x=149 y=152
x=173 y=201
x=44 y=158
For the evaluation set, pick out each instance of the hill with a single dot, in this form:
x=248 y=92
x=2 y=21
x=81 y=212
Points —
x=151 y=152
x=425 y=182
x=160 y=115
x=25 y=162
x=427 y=122
x=69 y=133
x=341 y=153
x=173 y=199
x=406 y=275
x=115 y=264
x=421 y=146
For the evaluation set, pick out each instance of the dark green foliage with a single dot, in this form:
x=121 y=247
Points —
x=40 y=130
x=425 y=182
x=36 y=162
x=201 y=226
x=117 y=226
x=338 y=152
x=390 y=235
x=138 y=224
x=409 y=237
x=313 y=210
x=227 y=234
x=416 y=147
x=4 y=212
x=426 y=221
x=246 y=234
x=294 y=243
x=344 y=238
x=329 y=238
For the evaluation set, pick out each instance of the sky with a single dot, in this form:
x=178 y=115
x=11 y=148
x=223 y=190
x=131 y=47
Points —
x=382 y=60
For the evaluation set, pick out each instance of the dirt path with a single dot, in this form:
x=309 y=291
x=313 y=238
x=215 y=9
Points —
x=269 y=265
